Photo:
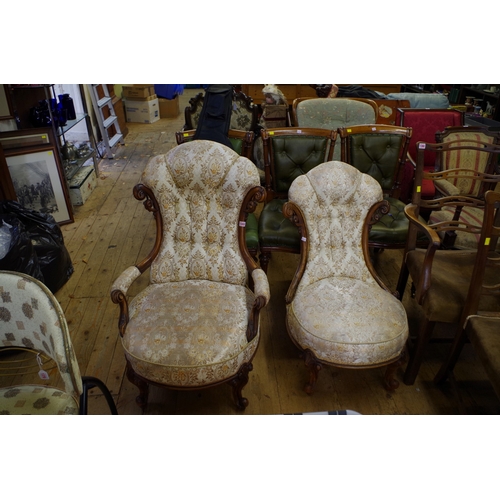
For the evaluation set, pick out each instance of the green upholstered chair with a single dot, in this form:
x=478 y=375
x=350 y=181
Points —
x=196 y=323
x=482 y=328
x=440 y=276
x=333 y=114
x=242 y=142
x=288 y=153
x=338 y=310
x=380 y=151
x=35 y=338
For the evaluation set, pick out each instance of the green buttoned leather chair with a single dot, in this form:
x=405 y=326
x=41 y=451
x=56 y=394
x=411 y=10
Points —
x=380 y=151
x=288 y=153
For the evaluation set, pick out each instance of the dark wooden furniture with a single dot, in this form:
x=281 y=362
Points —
x=288 y=153
x=482 y=328
x=380 y=151
x=441 y=277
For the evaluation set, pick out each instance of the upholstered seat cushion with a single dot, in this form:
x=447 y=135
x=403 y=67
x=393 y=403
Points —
x=484 y=334
x=451 y=275
x=348 y=322
x=275 y=230
x=36 y=400
x=189 y=333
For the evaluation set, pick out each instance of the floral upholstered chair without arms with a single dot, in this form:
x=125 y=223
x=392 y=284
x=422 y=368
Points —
x=196 y=324
x=34 y=333
x=482 y=328
x=441 y=276
x=333 y=114
x=380 y=151
x=339 y=312
x=288 y=153
x=243 y=144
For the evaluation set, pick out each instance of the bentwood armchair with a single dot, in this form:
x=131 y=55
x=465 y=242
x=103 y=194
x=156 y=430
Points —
x=482 y=328
x=339 y=312
x=440 y=276
x=288 y=153
x=196 y=324
x=36 y=339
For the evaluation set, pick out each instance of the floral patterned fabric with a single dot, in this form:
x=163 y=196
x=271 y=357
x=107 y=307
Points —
x=188 y=327
x=200 y=187
x=333 y=114
x=339 y=311
x=189 y=333
x=31 y=317
x=36 y=400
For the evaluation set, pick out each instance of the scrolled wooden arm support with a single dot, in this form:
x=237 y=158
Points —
x=142 y=192
x=253 y=322
x=293 y=212
x=119 y=298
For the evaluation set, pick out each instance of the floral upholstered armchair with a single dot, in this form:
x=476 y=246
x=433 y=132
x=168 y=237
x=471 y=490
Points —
x=32 y=325
x=339 y=312
x=196 y=324
x=333 y=114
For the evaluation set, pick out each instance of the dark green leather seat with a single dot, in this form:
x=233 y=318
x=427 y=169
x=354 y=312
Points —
x=288 y=153
x=380 y=151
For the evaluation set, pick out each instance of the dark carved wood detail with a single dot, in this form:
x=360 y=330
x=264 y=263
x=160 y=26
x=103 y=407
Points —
x=314 y=365
x=119 y=298
x=141 y=384
x=238 y=382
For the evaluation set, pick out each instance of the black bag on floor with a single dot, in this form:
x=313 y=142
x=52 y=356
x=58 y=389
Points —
x=19 y=252
x=215 y=117
x=48 y=243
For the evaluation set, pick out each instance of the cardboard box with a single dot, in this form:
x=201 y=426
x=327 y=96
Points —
x=138 y=92
x=82 y=184
x=142 y=111
x=274 y=115
x=169 y=108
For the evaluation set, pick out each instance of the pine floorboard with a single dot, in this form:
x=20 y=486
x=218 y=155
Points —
x=112 y=231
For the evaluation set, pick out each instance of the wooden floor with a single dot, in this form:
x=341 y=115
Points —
x=113 y=230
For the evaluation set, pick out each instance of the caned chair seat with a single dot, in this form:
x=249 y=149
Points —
x=36 y=400
x=329 y=317
x=190 y=333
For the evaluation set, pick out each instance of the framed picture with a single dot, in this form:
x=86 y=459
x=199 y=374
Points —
x=38 y=182
x=26 y=137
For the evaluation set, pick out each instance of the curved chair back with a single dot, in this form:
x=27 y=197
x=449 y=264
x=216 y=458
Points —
x=333 y=114
x=199 y=188
x=32 y=318
x=335 y=199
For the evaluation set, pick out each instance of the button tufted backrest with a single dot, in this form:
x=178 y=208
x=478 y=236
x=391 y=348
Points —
x=335 y=199
x=200 y=187
x=31 y=317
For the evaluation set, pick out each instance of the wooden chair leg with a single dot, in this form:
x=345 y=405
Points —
x=238 y=382
x=141 y=384
x=402 y=280
x=264 y=259
x=417 y=353
x=452 y=358
x=314 y=366
x=390 y=382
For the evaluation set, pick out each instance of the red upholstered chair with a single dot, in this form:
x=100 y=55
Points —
x=424 y=123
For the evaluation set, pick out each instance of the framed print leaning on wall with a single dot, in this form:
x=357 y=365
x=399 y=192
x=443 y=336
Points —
x=38 y=182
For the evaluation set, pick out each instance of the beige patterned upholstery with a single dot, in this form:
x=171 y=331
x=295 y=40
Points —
x=30 y=317
x=189 y=327
x=338 y=311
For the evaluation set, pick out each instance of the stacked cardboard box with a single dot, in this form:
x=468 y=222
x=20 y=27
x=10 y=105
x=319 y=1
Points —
x=141 y=103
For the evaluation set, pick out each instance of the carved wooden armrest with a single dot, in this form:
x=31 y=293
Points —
x=119 y=291
x=424 y=282
x=262 y=297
